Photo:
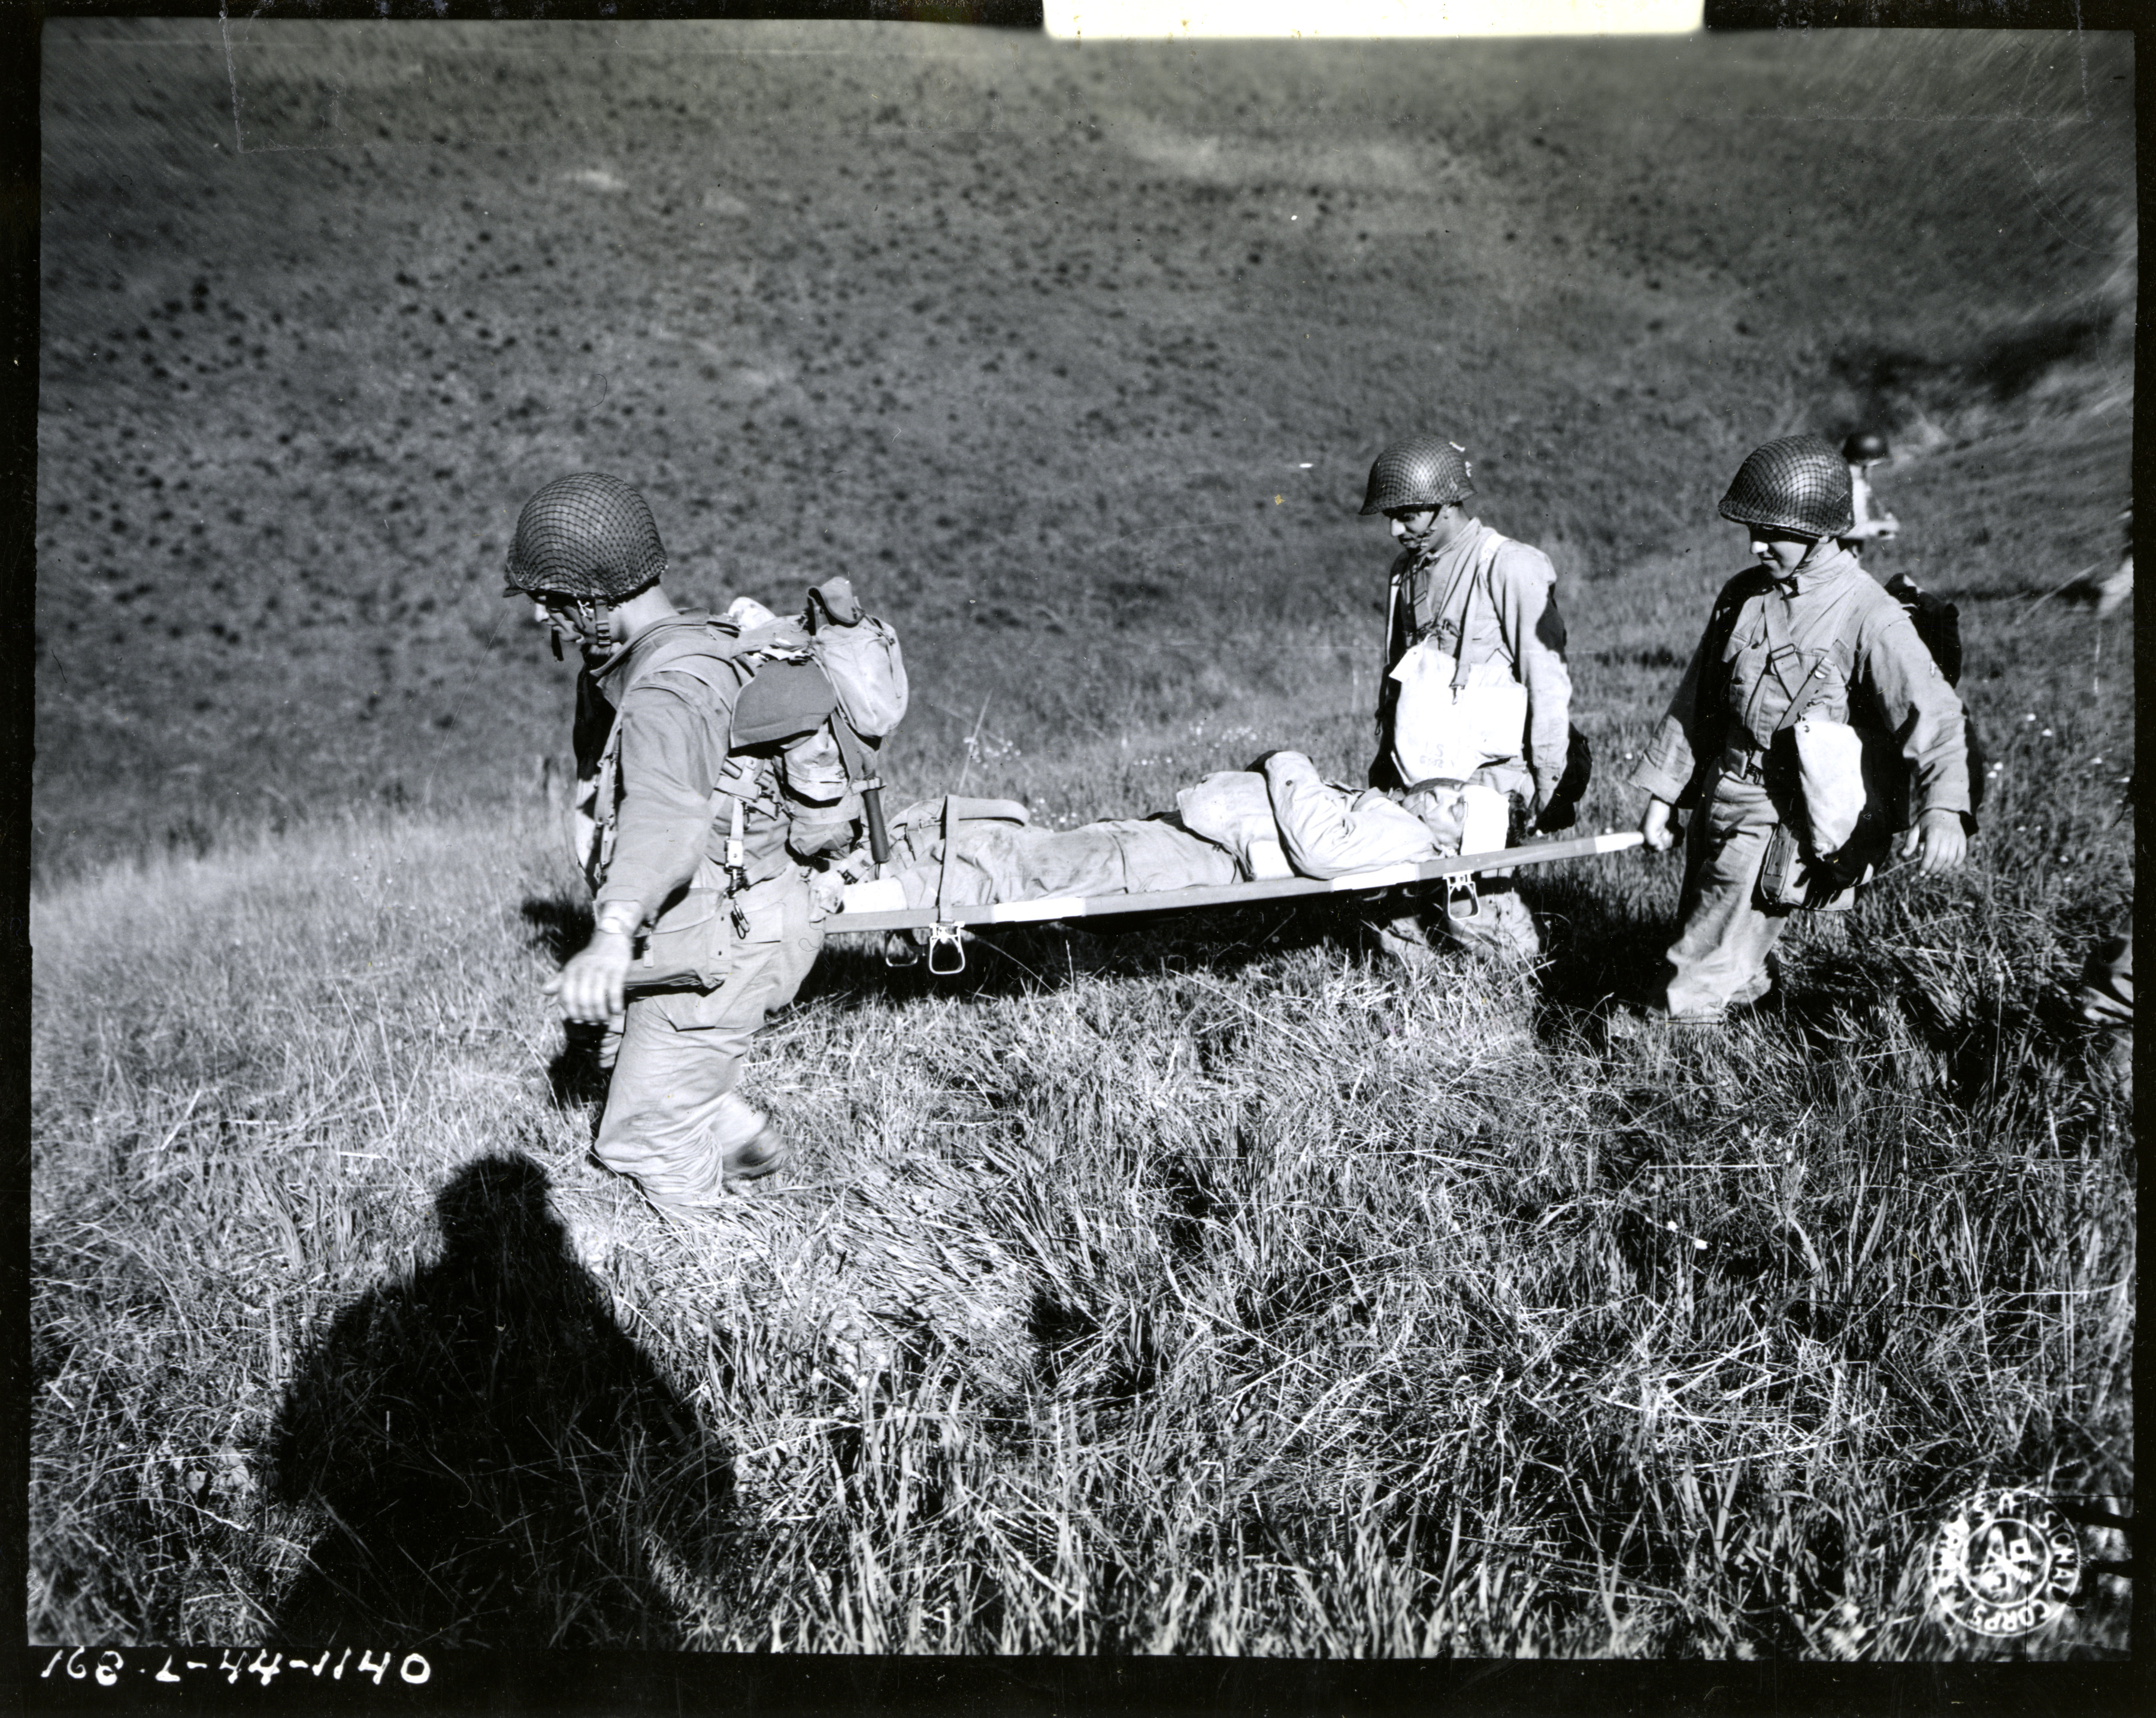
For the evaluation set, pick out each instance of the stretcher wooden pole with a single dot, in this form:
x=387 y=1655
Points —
x=1062 y=907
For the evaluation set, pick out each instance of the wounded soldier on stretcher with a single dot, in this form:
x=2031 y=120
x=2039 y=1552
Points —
x=1276 y=820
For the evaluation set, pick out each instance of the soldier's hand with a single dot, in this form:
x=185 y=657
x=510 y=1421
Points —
x=1938 y=838
x=1654 y=825
x=590 y=986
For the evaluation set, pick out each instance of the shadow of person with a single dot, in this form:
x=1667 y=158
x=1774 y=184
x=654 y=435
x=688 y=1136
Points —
x=491 y=1455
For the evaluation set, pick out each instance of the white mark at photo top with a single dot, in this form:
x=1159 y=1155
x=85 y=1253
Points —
x=1382 y=1112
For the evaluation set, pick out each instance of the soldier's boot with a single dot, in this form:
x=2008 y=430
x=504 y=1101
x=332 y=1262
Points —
x=741 y=1145
x=1500 y=929
x=1403 y=940
x=754 y=1158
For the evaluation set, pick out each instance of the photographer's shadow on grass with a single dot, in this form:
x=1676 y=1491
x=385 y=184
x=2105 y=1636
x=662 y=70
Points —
x=489 y=1458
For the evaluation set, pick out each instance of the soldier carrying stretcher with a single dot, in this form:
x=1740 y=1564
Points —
x=1811 y=684
x=699 y=803
x=1476 y=689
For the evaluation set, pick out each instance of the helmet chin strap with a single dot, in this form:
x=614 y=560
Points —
x=1420 y=542
x=1827 y=544
x=598 y=620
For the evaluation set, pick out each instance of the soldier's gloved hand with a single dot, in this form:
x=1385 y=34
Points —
x=1546 y=814
x=590 y=986
x=1654 y=825
x=1939 y=838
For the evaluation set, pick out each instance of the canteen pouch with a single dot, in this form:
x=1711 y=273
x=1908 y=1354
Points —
x=861 y=656
x=1788 y=879
x=1447 y=723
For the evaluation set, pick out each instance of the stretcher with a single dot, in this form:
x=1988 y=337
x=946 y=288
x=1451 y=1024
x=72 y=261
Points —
x=879 y=905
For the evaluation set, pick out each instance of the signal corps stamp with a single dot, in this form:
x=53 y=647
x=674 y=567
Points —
x=2004 y=1564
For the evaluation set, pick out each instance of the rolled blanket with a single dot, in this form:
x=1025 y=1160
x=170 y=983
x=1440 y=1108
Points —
x=1002 y=860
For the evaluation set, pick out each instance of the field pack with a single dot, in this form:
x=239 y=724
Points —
x=861 y=655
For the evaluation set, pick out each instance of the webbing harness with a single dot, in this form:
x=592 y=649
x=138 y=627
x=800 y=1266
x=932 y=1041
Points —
x=1721 y=630
x=737 y=870
x=1425 y=613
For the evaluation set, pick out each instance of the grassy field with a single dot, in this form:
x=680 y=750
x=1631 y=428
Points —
x=1208 y=1288
x=1077 y=357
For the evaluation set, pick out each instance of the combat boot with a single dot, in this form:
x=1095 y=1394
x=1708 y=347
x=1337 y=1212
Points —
x=761 y=1155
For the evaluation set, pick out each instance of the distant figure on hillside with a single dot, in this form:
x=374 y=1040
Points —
x=1806 y=666
x=1870 y=521
x=1475 y=688
x=702 y=926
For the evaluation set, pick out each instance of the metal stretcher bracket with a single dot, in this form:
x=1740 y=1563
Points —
x=941 y=937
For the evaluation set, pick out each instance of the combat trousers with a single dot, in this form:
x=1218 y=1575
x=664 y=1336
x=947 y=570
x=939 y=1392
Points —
x=672 y=1112
x=1720 y=955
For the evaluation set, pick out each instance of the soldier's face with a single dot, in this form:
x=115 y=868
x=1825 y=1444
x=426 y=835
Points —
x=565 y=620
x=1411 y=522
x=1778 y=551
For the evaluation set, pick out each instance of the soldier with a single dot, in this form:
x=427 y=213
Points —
x=659 y=705
x=1475 y=686
x=1868 y=521
x=1805 y=632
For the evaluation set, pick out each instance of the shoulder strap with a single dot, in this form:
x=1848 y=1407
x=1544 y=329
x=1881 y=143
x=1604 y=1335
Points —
x=1814 y=688
x=1480 y=577
x=1713 y=689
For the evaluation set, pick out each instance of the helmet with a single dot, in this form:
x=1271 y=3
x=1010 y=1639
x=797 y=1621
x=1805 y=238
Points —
x=586 y=535
x=1422 y=472
x=1866 y=444
x=1798 y=484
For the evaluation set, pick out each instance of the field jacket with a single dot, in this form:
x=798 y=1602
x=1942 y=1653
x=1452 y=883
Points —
x=1484 y=598
x=656 y=817
x=1829 y=623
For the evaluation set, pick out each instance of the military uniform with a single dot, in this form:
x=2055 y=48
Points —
x=1830 y=624
x=1483 y=598
x=659 y=780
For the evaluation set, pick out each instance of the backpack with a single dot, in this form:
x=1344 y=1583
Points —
x=1938 y=623
x=861 y=655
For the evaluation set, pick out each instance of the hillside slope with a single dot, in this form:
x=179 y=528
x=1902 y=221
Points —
x=1073 y=357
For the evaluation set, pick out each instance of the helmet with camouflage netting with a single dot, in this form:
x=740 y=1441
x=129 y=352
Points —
x=1798 y=484
x=587 y=535
x=1421 y=471
x=1864 y=446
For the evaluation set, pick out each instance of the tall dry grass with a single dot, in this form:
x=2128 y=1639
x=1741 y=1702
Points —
x=1206 y=1287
